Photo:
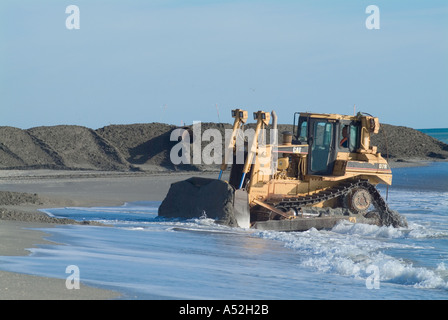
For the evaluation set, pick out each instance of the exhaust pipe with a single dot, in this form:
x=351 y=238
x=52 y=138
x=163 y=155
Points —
x=274 y=120
x=274 y=143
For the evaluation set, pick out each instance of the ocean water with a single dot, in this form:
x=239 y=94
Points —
x=440 y=134
x=146 y=257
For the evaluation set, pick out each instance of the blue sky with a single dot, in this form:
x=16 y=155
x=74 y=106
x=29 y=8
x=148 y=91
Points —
x=178 y=61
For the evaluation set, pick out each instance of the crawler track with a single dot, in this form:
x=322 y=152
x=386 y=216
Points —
x=387 y=216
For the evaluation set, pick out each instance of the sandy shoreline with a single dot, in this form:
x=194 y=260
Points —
x=16 y=237
x=59 y=189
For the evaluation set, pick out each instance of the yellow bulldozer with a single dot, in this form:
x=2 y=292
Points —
x=324 y=171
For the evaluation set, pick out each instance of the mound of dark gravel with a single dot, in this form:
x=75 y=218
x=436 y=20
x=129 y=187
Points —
x=147 y=147
x=403 y=143
x=8 y=198
x=57 y=147
x=39 y=217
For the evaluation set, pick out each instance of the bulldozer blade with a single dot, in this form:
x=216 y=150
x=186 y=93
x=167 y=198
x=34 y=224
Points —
x=241 y=208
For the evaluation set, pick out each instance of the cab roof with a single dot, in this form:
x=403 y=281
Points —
x=331 y=116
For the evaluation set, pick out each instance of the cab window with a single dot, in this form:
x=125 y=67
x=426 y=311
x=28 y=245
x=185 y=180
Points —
x=303 y=131
x=348 y=137
x=354 y=138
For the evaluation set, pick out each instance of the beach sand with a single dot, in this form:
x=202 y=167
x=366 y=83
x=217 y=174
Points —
x=19 y=217
x=15 y=237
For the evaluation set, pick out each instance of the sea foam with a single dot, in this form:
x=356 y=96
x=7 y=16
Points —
x=352 y=249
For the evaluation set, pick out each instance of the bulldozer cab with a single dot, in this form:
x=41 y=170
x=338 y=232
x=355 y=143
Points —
x=326 y=136
x=322 y=147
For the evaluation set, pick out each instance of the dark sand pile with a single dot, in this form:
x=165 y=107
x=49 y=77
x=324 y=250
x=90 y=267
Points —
x=146 y=147
x=58 y=147
x=404 y=144
x=143 y=146
x=9 y=200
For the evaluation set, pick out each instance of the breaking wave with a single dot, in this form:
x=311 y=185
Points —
x=353 y=249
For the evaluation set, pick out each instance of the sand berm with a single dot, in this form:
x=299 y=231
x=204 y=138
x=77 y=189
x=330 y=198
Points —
x=146 y=147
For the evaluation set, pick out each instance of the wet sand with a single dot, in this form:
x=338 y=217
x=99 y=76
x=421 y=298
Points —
x=58 y=189
x=15 y=237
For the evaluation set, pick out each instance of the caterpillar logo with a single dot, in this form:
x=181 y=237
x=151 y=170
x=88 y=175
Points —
x=296 y=149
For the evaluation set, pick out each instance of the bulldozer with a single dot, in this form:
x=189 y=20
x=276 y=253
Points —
x=321 y=173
